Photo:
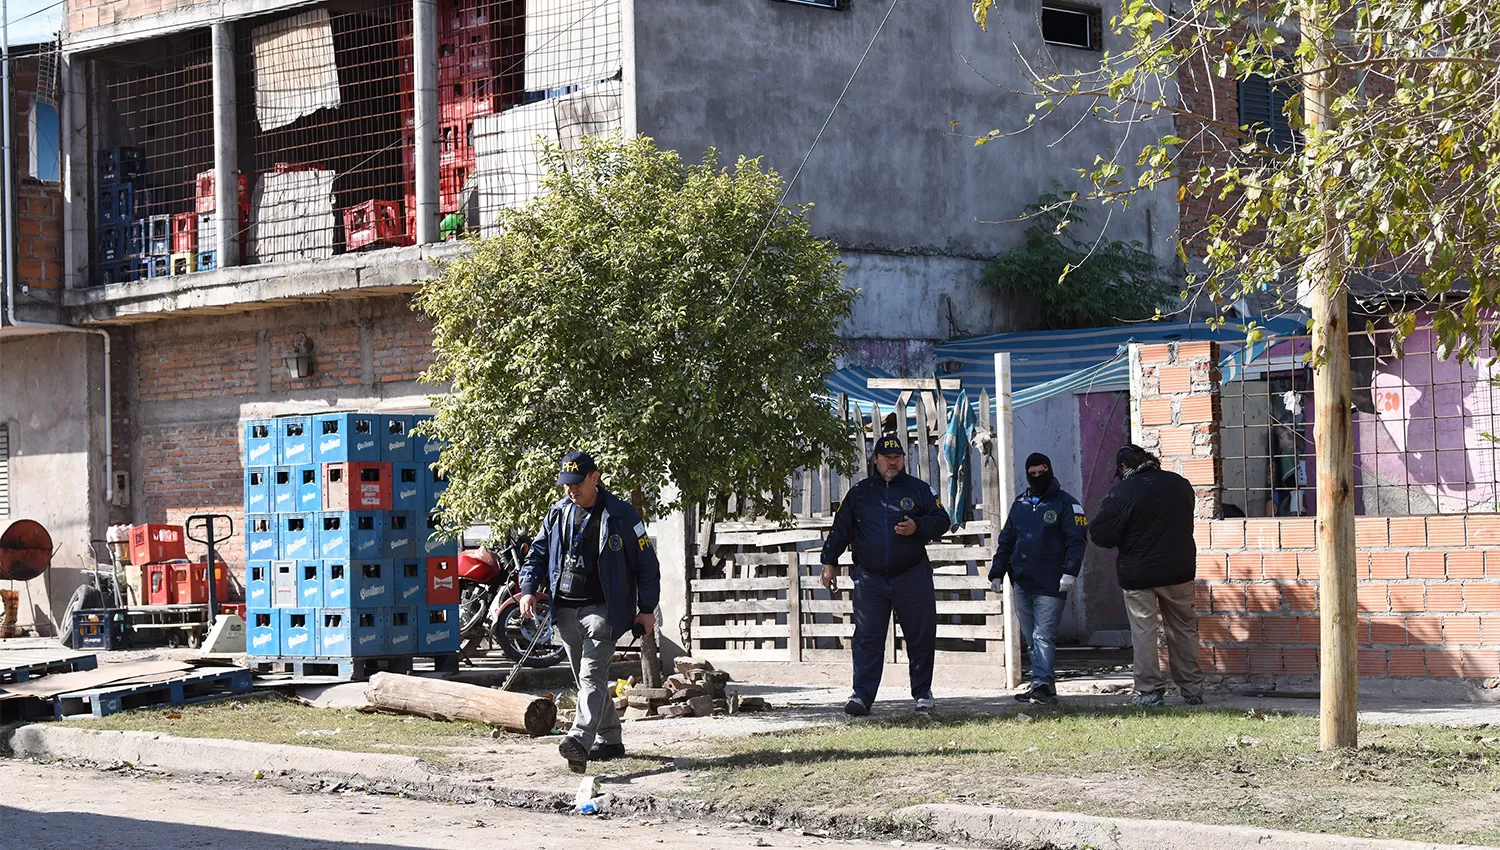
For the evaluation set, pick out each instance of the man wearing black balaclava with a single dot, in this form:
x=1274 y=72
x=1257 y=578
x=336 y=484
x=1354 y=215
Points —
x=1041 y=549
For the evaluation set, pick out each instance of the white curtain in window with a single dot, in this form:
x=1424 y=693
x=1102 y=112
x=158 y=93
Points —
x=570 y=42
x=296 y=73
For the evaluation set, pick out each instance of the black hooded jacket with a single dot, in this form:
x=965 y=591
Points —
x=1149 y=518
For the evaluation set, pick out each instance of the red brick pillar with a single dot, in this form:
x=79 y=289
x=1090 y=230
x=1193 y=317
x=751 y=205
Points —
x=1175 y=412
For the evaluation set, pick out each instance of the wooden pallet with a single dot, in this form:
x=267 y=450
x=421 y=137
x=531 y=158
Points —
x=352 y=669
x=183 y=689
x=26 y=667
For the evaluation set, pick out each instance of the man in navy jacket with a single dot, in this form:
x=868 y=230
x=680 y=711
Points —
x=888 y=519
x=1041 y=549
x=594 y=555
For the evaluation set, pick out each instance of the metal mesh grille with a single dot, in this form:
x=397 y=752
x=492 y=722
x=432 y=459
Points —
x=4 y=470
x=1423 y=430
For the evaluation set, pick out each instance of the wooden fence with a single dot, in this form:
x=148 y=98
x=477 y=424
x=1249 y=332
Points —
x=754 y=594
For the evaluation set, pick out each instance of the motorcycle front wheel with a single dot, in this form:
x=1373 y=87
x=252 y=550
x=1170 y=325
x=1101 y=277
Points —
x=473 y=602
x=515 y=634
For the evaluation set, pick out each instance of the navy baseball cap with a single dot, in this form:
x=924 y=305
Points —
x=889 y=446
x=576 y=466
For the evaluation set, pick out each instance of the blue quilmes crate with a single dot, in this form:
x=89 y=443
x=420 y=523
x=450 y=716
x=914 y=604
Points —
x=434 y=546
x=135 y=238
x=309 y=584
x=262 y=631
x=425 y=450
x=118 y=164
x=260 y=442
x=299 y=631
x=294 y=440
x=433 y=485
x=257 y=584
x=371 y=584
x=262 y=538
x=258 y=490
x=299 y=539
x=309 y=480
x=283 y=490
x=159 y=265
x=336 y=583
x=396 y=439
x=400 y=630
x=347 y=437
x=355 y=632
x=406 y=488
x=400 y=535
x=437 y=628
x=111 y=244
x=207 y=261
x=350 y=535
x=410 y=576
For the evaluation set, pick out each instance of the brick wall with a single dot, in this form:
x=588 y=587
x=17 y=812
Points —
x=1429 y=603
x=1178 y=408
x=38 y=203
x=87 y=14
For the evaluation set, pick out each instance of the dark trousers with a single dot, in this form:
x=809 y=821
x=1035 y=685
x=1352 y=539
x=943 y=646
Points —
x=911 y=597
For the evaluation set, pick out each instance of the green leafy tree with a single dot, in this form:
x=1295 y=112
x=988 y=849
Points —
x=618 y=313
x=1076 y=283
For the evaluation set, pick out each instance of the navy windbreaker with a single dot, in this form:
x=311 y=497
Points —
x=1042 y=540
x=867 y=518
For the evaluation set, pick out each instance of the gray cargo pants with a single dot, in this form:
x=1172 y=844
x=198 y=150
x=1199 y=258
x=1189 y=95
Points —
x=590 y=646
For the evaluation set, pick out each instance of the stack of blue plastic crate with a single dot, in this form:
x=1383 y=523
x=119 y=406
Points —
x=121 y=237
x=339 y=562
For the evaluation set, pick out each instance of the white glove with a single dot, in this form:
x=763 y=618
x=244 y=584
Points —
x=997 y=585
x=1067 y=583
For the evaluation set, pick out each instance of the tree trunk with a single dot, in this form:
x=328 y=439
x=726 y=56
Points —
x=1333 y=432
x=441 y=700
x=650 y=659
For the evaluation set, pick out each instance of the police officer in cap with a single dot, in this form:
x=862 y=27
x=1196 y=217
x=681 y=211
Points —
x=888 y=519
x=596 y=558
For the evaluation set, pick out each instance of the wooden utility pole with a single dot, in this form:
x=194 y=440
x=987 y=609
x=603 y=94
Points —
x=1333 y=432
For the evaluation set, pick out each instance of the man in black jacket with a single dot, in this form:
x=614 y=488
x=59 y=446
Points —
x=889 y=519
x=1148 y=516
x=1041 y=549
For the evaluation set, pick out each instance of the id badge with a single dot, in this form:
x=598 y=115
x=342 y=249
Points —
x=573 y=577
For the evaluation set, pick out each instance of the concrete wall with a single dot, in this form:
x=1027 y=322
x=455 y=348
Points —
x=910 y=203
x=51 y=399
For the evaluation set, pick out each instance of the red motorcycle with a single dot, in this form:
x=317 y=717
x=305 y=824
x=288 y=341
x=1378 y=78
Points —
x=490 y=600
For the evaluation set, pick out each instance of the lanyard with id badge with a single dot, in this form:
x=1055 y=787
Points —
x=573 y=579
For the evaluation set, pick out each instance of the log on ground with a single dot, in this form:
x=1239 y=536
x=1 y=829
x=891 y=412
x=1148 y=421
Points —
x=441 y=700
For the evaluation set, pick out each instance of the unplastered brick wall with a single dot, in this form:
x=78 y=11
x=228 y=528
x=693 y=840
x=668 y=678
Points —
x=88 y=14
x=1176 y=390
x=1428 y=596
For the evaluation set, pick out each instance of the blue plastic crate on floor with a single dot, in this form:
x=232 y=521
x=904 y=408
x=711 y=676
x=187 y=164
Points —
x=159 y=265
x=310 y=584
x=400 y=629
x=293 y=440
x=258 y=490
x=351 y=631
x=299 y=631
x=351 y=535
x=309 y=487
x=371 y=584
x=346 y=437
x=400 y=537
x=396 y=441
x=111 y=244
x=263 y=631
x=207 y=261
x=437 y=628
x=257 y=584
x=336 y=584
x=298 y=536
x=262 y=538
x=283 y=490
x=260 y=442
x=406 y=487
x=410 y=581
x=433 y=546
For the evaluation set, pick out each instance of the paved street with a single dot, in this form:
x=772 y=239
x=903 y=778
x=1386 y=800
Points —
x=46 y=807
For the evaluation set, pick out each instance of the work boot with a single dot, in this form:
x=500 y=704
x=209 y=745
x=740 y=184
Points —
x=607 y=752
x=1043 y=694
x=574 y=753
x=855 y=707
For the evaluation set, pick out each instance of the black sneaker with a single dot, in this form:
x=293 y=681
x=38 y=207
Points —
x=1193 y=700
x=607 y=752
x=576 y=756
x=1025 y=696
x=855 y=707
x=1043 y=694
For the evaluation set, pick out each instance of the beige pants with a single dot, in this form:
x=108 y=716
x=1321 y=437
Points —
x=1150 y=611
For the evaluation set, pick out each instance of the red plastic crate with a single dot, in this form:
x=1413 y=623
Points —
x=190 y=583
x=442 y=581
x=152 y=543
x=156 y=584
x=356 y=486
x=185 y=233
x=374 y=223
x=205 y=201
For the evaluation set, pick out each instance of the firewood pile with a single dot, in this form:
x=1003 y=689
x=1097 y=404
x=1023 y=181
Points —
x=695 y=690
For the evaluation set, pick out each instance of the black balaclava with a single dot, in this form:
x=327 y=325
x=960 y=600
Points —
x=1040 y=482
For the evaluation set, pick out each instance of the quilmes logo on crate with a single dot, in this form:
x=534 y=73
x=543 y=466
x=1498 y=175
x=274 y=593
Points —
x=261 y=544
x=371 y=592
x=367 y=639
x=400 y=638
x=405 y=492
x=295 y=450
x=437 y=637
x=294 y=544
x=257 y=451
x=297 y=640
x=262 y=639
x=410 y=592
x=363 y=445
x=399 y=543
x=332 y=637
x=335 y=592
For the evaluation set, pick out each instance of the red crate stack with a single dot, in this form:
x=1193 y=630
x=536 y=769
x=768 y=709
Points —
x=152 y=543
x=189 y=583
x=374 y=223
x=356 y=486
x=185 y=233
x=206 y=202
x=156 y=584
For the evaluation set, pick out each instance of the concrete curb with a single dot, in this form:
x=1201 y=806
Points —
x=1035 y=829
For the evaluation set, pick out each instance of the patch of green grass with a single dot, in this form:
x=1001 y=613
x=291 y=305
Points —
x=277 y=719
x=1432 y=783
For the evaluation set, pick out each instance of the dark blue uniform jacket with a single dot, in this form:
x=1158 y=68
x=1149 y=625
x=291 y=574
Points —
x=1044 y=537
x=867 y=518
